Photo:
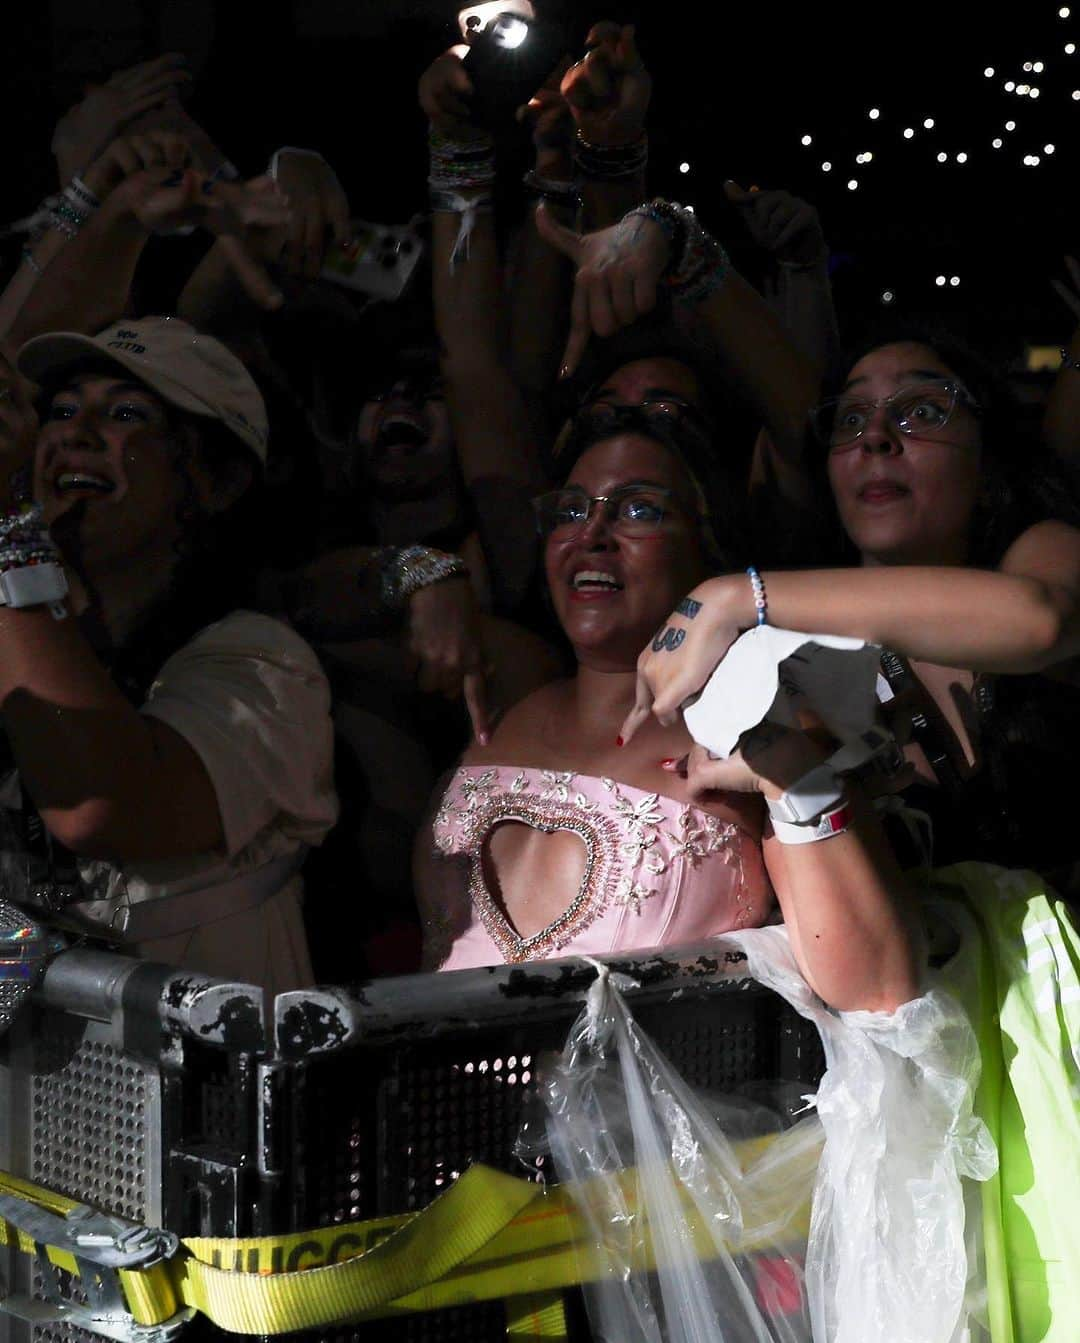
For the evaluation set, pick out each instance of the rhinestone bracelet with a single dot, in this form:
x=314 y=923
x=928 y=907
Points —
x=407 y=571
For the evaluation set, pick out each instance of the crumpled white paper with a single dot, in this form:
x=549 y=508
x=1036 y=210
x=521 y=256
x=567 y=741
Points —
x=768 y=674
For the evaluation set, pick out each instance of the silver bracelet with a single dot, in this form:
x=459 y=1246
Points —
x=407 y=571
x=1067 y=361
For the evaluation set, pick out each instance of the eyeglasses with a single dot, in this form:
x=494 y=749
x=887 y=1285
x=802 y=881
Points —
x=921 y=411
x=607 y=416
x=632 y=510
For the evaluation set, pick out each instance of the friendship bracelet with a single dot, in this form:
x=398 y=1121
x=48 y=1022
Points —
x=610 y=161
x=548 y=189
x=80 y=195
x=468 y=207
x=697 y=264
x=761 y=602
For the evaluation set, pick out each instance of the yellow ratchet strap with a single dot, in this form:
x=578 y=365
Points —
x=490 y=1236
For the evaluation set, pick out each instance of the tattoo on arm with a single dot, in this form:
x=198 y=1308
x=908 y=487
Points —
x=688 y=608
x=668 y=639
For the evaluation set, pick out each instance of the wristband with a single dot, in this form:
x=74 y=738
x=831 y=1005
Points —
x=808 y=797
x=468 y=207
x=828 y=824
x=41 y=584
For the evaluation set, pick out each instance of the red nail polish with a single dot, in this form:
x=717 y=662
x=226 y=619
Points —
x=618 y=741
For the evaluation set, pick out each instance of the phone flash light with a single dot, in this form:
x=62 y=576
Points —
x=508 y=31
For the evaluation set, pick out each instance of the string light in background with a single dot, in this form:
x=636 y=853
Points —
x=874 y=113
x=684 y=167
x=908 y=133
x=807 y=140
x=887 y=296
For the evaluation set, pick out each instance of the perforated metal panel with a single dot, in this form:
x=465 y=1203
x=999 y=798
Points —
x=95 y=1115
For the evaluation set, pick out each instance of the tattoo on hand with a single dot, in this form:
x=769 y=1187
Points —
x=668 y=640
x=688 y=608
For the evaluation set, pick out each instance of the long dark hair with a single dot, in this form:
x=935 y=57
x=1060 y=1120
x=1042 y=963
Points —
x=1021 y=482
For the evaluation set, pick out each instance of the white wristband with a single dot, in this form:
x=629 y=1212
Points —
x=830 y=823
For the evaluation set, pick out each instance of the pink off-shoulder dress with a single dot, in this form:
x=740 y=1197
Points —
x=658 y=872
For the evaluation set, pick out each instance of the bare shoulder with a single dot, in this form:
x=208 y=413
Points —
x=518 y=735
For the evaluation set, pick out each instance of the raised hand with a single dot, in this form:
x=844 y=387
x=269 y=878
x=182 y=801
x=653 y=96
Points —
x=608 y=90
x=319 y=210
x=618 y=271
x=445 y=92
x=84 y=131
x=548 y=114
x=444 y=637
x=780 y=223
x=700 y=630
x=129 y=154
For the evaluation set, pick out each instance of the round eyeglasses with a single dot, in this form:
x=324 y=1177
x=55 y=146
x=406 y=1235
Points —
x=631 y=510
x=921 y=410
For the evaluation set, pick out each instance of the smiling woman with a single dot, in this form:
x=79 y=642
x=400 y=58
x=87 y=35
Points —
x=555 y=838
x=176 y=746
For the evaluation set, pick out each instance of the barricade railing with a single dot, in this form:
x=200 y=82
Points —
x=176 y=1101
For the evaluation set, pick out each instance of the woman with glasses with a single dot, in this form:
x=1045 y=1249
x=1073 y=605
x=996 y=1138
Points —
x=968 y=571
x=554 y=838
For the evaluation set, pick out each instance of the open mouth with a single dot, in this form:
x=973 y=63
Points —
x=70 y=482
x=593 y=580
x=401 y=433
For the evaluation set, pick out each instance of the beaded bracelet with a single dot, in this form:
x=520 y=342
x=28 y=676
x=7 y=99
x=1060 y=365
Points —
x=460 y=163
x=761 y=602
x=1067 y=361
x=610 y=161
x=697 y=264
x=80 y=195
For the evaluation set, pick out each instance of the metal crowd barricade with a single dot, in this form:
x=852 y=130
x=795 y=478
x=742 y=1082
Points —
x=182 y=1102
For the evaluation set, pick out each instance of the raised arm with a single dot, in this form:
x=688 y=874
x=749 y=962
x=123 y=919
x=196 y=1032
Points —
x=1022 y=617
x=498 y=458
x=622 y=270
x=78 y=277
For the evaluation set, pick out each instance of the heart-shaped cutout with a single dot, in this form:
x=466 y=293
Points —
x=533 y=873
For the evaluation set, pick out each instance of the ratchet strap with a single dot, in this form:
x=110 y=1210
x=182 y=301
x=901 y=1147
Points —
x=489 y=1237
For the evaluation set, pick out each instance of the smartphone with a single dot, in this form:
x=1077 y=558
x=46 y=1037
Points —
x=508 y=60
x=377 y=259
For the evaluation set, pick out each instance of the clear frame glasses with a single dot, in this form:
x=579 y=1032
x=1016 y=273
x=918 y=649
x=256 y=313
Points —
x=631 y=510
x=921 y=410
